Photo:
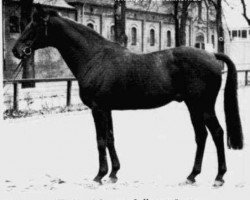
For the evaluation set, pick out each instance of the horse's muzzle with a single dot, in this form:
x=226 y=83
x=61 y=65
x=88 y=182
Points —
x=22 y=53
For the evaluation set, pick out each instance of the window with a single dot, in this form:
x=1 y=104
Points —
x=200 y=10
x=200 y=41
x=212 y=40
x=133 y=35
x=168 y=38
x=90 y=25
x=152 y=37
x=14 y=24
x=244 y=34
x=91 y=9
x=197 y=45
x=112 y=33
x=234 y=33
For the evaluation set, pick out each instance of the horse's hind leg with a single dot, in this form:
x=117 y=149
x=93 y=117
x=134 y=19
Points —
x=196 y=113
x=217 y=134
x=112 y=152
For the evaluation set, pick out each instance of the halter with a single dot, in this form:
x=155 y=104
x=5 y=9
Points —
x=28 y=50
x=46 y=20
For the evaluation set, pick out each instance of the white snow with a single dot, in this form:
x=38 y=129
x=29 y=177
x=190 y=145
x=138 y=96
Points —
x=156 y=150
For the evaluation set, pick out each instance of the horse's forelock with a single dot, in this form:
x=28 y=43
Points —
x=53 y=13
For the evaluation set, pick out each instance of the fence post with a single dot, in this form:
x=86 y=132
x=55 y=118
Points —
x=246 y=77
x=15 y=96
x=69 y=85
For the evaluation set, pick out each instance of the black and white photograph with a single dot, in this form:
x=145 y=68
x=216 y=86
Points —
x=125 y=100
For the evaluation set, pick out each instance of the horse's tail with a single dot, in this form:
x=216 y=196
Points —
x=233 y=123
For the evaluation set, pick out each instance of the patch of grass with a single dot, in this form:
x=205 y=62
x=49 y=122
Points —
x=13 y=114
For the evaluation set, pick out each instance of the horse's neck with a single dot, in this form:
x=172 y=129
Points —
x=76 y=48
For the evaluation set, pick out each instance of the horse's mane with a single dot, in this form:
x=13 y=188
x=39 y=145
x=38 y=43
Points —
x=53 y=13
x=77 y=26
x=84 y=30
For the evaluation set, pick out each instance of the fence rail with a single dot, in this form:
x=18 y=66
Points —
x=20 y=81
x=69 y=85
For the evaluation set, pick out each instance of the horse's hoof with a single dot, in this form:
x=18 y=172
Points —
x=113 y=179
x=188 y=182
x=98 y=180
x=218 y=183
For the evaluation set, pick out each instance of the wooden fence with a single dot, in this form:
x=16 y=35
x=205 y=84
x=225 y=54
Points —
x=69 y=85
x=20 y=81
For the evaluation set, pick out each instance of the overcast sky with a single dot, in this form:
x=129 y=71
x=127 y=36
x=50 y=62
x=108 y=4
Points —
x=233 y=13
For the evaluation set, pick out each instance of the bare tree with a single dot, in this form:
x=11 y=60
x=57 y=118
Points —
x=176 y=23
x=219 y=25
x=183 y=22
x=245 y=11
x=180 y=18
x=27 y=63
x=120 y=22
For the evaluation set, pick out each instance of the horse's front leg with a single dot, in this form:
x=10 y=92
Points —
x=112 y=152
x=101 y=124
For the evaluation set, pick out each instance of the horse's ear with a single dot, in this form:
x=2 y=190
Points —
x=39 y=13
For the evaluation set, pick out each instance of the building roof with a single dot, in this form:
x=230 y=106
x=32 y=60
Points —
x=154 y=6
x=56 y=3
x=52 y=3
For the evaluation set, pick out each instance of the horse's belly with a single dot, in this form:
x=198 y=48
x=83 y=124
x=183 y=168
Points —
x=138 y=102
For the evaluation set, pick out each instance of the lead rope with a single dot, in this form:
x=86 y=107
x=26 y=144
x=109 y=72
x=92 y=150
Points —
x=18 y=69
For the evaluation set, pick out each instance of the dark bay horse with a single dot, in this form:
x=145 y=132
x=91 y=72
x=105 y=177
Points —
x=112 y=78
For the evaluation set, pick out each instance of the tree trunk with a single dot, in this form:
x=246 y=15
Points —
x=182 y=29
x=120 y=22
x=220 y=30
x=27 y=63
x=176 y=23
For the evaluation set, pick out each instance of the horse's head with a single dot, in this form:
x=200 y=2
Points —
x=34 y=36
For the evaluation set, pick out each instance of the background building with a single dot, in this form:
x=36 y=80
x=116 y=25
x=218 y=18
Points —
x=237 y=35
x=149 y=27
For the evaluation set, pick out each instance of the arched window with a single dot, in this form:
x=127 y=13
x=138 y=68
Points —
x=200 y=41
x=134 y=35
x=152 y=37
x=14 y=24
x=90 y=25
x=168 y=38
x=112 y=33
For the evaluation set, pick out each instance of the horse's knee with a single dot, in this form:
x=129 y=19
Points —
x=213 y=125
x=110 y=138
x=217 y=135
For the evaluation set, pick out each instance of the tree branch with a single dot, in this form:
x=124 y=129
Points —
x=214 y=3
x=245 y=11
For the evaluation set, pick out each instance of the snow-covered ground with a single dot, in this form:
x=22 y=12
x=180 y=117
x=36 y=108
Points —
x=55 y=158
